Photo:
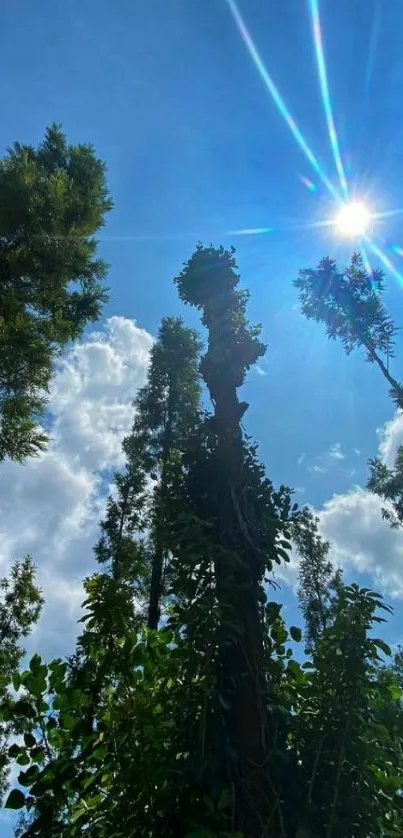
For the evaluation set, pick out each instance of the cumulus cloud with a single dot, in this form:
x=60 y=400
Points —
x=361 y=539
x=359 y=536
x=391 y=437
x=51 y=506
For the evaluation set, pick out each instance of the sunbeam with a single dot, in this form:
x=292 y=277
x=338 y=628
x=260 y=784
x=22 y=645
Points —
x=367 y=264
x=388 y=213
x=250 y=231
x=278 y=99
x=384 y=259
x=324 y=87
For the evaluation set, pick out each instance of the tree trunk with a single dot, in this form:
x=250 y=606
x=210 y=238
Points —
x=242 y=653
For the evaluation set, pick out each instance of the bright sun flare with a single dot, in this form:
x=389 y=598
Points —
x=353 y=220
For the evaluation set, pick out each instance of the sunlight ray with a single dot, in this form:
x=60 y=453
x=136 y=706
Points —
x=278 y=99
x=384 y=259
x=250 y=231
x=367 y=264
x=387 y=213
x=309 y=225
x=324 y=86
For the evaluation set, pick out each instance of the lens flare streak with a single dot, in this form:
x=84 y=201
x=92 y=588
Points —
x=281 y=106
x=308 y=183
x=324 y=87
x=278 y=99
x=384 y=259
x=250 y=231
x=366 y=261
x=387 y=213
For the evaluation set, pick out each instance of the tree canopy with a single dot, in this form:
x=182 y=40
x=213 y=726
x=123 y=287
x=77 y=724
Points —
x=53 y=200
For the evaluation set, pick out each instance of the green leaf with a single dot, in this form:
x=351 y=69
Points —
x=29 y=740
x=24 y=708
x=35 y=663
x=15 y=800
x=67 y=722
x=380 y=644
x=294 y=667
x=36 y=685
x=296 y=634
x=28 y=777
x=395 y=691
x=16 y=680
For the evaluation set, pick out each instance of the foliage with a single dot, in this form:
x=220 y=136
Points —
x=20 y=606
x=53 y=200
x=347 y=727
x=319 y=583
x=246 y=529
x=387 y=483
x=183 y=712
x=134 y=542
x=350 y=305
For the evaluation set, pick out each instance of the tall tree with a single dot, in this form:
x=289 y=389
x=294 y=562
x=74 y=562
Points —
x=53 y=200
x=133 y=548
x=168 y=409
x=166 y=413
x=347 y=725
x=318 y=580
x=242 y=543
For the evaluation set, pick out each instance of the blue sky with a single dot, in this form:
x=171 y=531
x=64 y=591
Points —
x=195 y=147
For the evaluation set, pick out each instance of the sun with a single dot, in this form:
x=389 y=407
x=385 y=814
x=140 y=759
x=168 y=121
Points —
x=353 y=220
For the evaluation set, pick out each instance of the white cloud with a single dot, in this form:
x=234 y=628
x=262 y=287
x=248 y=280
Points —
x=391 y=436
x=317 y=469
x=361 y=539
x=51 y=506
x=324 y=462
x=359 y=536
x=335 y=452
